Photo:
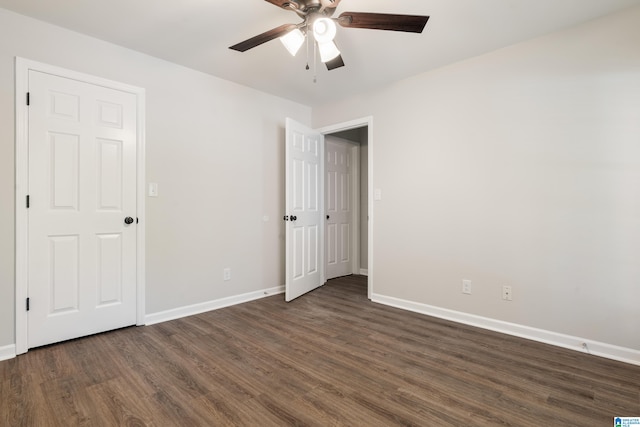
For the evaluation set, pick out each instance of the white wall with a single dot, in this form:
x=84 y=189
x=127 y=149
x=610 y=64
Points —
x=520 y=167
x=215 y=148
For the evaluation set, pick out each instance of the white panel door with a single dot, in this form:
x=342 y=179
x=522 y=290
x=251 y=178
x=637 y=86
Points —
x=82 y=186
x=304 y=226
x=338 y=204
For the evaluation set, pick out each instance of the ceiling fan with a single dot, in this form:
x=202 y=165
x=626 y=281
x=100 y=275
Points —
x=317 y=19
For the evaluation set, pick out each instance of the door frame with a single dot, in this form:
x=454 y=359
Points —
x=22 y=68
x=353 y=124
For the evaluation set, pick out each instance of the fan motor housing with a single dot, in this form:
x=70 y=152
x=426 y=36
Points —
x=305 y=7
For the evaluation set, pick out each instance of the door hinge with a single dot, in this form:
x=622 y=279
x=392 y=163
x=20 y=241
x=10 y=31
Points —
x=28 y=98
x=28 y=201
x=27 y=304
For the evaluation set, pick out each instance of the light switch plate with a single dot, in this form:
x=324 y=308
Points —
x=153 y=189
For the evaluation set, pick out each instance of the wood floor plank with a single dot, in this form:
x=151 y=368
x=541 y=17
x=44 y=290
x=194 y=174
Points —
x=329 y=358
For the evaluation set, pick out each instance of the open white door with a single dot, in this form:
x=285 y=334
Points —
x=304 y=210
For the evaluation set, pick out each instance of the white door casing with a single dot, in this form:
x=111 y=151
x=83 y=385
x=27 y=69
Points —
x=304 y=210
x=78 y=262
x=339 y=209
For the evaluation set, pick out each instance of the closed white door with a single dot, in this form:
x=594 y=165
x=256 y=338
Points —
x=339 y=210
x=82 y=209
x=304 y=209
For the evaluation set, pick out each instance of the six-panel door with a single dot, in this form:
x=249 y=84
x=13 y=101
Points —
x=304 y=188
x=82 y=185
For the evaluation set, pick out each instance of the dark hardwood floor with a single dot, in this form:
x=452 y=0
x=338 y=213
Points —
x=329 y=358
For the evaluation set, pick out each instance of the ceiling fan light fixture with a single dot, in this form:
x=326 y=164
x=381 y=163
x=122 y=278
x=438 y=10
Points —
x=324 y=30
x=328 y=51
x=317 y=19
x=293 y=40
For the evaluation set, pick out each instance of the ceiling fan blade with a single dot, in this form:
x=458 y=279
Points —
x=383 y=21
x=263 y=38
x=336 y=62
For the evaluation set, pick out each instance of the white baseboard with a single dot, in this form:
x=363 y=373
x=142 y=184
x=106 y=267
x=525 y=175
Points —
x=364 y=272
x=595 y=348
x=190 y=310
x=7 y=352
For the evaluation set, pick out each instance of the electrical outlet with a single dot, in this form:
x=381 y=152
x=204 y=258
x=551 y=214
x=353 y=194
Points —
x=466 y=286
x=226 y=274
x=507 y=293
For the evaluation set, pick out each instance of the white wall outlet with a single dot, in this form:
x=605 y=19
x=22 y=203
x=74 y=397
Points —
x=226 y=273
x=507 y=293
x=377 y=194
x=466 y=286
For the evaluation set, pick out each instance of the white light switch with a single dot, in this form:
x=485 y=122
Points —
x=377 y=194
x=153 y=189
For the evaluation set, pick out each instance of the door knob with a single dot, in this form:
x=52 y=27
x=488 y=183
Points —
x=293 y=217
x=128 y=220
x=327 y=216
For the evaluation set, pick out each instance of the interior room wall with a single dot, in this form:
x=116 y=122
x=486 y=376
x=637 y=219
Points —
x=216 y=150
x=522 y=168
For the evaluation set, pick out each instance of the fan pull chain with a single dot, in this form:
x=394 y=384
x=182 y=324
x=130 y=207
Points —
x=315 y=62
x=307 y=40
x=315 y=56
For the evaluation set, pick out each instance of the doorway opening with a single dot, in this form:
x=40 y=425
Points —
x=357 y=136
x=346 y=201
x=305 y=214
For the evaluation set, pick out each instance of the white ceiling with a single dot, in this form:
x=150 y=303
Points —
x=197 y=34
